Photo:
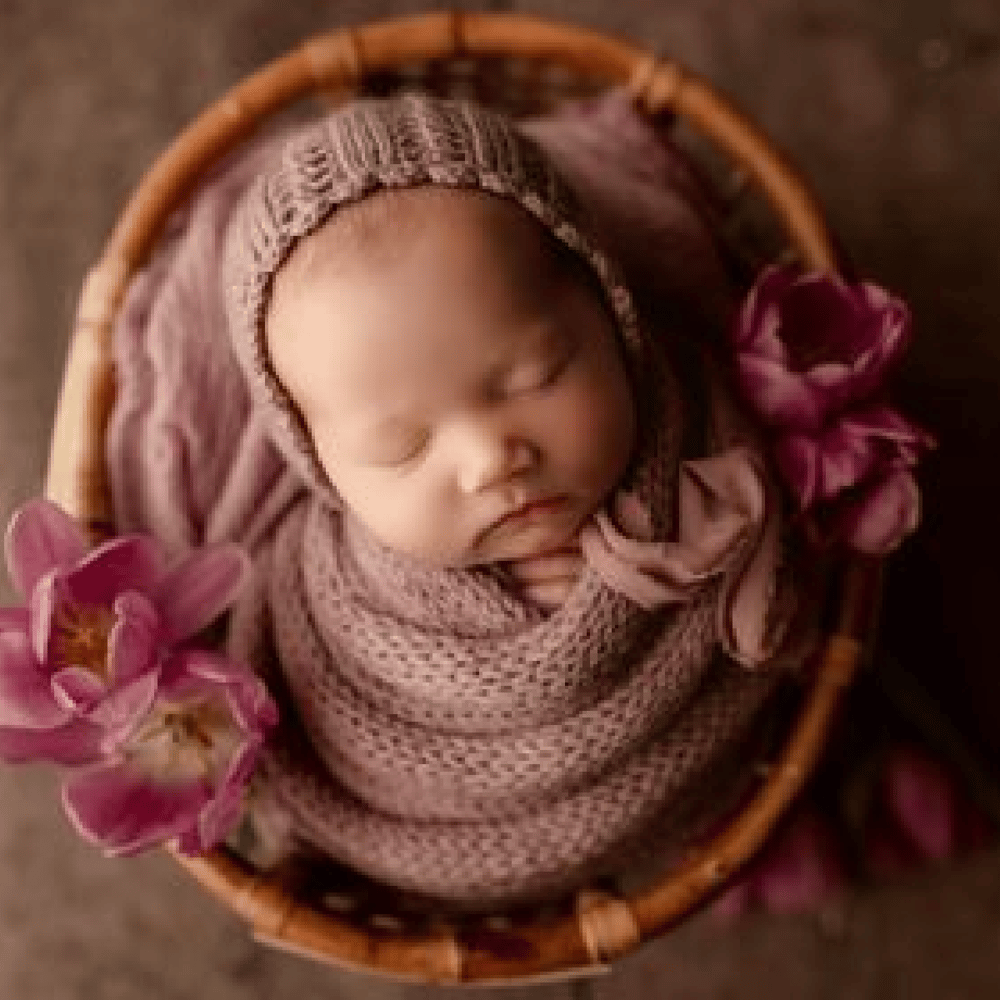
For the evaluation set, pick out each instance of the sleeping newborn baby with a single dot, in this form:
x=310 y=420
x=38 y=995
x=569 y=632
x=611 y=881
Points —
x=460 y=379
x=528 y=613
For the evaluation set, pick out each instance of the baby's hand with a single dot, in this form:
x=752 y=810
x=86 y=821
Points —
x=547 y=579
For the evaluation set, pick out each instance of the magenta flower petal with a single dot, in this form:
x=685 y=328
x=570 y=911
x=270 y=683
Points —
x=889 y=336
x=77 y=743
x=812 y=357
x=779 y=396
x=825 y=381
x=248 y=699
x=41 y=608
x=907 y=441
x=223 y=811
x=195 y=669
x=180 y=773
x=80 y=672
x=40 y=537
x=803 y=867
x=26 y=699
x=216 y=821
x=876 y=298
x=134 y=563
x=133 y=640
x=885 y=513
x=924 y=801
x=76 y=688
x=736 y=900
x=15 y=620
x=758 y=318
x=120 y=711
x=196 y=592
x=253 y=707
x=798 y=458
x=190 y=842
x=845 y=459
x=860 y=327
x=823 y=320
x=124 y=812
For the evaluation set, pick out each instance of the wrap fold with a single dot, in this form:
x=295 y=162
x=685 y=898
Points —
x=727 y=527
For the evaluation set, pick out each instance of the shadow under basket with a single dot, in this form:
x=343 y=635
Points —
x=519 y=65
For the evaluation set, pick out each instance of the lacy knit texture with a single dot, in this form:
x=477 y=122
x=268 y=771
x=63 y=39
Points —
x=460 y=743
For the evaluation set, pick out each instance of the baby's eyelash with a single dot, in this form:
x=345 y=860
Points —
x=543 y=377
x=549 y=375
x=412 y=453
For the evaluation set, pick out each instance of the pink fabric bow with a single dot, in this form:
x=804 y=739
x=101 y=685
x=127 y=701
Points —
x=726 y=526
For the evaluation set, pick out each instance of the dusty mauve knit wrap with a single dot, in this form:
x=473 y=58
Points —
x=463 y=744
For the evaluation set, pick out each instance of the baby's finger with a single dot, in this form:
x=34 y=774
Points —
x=551 y=566
x=550 y=594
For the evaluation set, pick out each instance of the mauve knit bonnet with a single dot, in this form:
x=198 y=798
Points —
x=366 y=146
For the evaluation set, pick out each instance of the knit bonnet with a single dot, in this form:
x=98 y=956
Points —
x=367 y=146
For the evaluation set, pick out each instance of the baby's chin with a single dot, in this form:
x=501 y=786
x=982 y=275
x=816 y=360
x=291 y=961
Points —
x=518 y=538
x=481 y=556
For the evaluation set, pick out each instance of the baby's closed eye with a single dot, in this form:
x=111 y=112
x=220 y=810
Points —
x=533 y=378
x=540 y=373
x=393 y=450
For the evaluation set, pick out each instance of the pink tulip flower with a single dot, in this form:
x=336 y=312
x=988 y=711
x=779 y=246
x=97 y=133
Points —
x=918 y=814
x=79 y=666
x=859 y=471
x=801 y=866
x=813 y=355
x=181 y=774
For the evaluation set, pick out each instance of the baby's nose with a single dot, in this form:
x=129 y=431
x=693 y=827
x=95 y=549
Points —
x=490 y=456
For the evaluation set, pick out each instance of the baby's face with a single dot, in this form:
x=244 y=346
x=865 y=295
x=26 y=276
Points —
x=464 y=388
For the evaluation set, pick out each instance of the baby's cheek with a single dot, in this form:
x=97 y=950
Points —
x=414 y=517
x=607 y=418
x=588 y=444
x=323 y=443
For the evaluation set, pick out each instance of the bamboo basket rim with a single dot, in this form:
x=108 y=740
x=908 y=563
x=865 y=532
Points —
x=603 y=927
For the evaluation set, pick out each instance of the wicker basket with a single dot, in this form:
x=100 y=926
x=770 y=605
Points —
x=519 y=64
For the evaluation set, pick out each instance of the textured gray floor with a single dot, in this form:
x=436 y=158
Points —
x=891 y=108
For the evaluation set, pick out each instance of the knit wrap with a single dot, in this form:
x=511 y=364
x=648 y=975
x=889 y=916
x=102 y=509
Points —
x=468 y=748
